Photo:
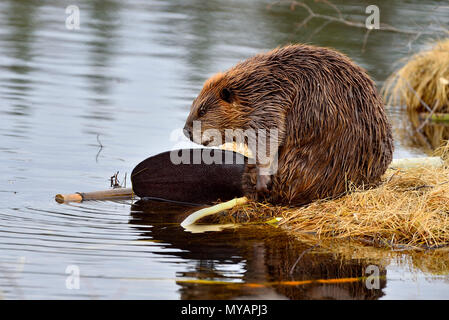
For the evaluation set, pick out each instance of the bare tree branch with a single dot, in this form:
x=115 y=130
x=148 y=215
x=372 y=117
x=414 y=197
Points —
x=415 y=34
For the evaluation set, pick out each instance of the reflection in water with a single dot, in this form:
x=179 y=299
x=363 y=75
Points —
x=18 y=42
x=266 y=255
x=22 y=20
x=103 y=21
x=419 y=132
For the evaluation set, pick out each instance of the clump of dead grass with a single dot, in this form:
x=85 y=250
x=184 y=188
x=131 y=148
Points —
x=422 y=84
x=423 y=78
x=412 y=209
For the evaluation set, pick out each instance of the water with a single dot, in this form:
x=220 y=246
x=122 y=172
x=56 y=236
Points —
x=78 y=106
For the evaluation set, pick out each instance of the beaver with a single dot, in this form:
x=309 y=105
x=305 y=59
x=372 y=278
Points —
x=332 y=130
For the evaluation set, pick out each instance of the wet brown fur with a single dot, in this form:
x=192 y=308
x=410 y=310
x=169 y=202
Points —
x=333 y=130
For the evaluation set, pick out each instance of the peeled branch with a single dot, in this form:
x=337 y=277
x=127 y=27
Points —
x=213 y=210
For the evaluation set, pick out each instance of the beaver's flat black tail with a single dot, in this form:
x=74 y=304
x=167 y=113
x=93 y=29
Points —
x=202 y=177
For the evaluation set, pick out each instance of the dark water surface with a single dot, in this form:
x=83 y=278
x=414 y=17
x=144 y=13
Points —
x=78 y=106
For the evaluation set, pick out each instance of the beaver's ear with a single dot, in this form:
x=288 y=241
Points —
x=226 y=94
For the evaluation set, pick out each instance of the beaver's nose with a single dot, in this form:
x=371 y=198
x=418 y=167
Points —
x=188 y=131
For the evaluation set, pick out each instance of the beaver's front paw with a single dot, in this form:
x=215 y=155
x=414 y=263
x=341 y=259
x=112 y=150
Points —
x=263 y=186
x=249 y=181
x=255 y=186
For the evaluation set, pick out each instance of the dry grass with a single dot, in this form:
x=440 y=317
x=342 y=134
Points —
x=422 y=84
x=427 y=73
x=409 y=210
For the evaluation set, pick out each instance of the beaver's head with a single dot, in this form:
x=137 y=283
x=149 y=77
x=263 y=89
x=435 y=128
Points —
x=216 y=109
x=242 y=98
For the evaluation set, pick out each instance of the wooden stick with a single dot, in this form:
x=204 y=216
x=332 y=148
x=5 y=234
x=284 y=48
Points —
x=96 y=195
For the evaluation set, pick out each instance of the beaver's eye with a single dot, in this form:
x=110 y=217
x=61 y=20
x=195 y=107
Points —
x=226 y=95
x=202 y=111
